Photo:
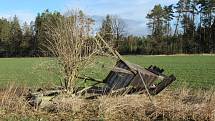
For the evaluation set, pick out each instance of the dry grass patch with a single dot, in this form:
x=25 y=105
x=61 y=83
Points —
x=182 y=104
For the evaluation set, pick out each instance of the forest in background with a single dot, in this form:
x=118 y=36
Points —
x=186 y=27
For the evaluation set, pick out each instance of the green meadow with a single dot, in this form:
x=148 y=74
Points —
x=195 y=71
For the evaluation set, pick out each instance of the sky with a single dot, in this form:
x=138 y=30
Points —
x=132 y=11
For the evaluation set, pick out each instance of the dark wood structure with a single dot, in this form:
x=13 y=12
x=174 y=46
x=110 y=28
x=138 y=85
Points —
x=124 y=78
x=130 y=78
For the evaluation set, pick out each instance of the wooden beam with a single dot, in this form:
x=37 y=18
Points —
x=90 y=78
x=121 y=70
x=163 y=84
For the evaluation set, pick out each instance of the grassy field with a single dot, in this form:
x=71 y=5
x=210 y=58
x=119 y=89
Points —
x=194 y=70
x=27 y=71
x=178 y=104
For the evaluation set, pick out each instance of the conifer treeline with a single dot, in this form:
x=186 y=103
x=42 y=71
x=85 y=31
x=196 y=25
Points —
x=185 y=27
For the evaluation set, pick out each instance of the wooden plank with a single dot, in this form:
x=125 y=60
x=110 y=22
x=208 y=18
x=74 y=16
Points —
x=147 y=76
x=120 y=70
x=121 y=80
x=126 y=66
x=163 y=84
x=89 y=78
x=111 y=79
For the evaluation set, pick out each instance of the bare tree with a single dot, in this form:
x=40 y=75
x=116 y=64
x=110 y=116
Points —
x=118 y=27
x=68 y=38
x=112 y=30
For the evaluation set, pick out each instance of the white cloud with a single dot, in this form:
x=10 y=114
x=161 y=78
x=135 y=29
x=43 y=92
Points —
x=133 y=11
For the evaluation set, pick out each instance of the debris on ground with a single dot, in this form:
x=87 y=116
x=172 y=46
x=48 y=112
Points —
x=124 y=78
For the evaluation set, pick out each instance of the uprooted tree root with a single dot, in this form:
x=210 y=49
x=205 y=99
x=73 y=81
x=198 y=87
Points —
x=170 y=105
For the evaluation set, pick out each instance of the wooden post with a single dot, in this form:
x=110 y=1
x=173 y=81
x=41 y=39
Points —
x=146 y=88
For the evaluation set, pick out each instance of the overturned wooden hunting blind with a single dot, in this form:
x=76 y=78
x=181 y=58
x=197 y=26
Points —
x=127 y=78
x=124 y=78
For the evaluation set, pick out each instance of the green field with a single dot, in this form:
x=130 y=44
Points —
x=26 y=71
x=193 y=70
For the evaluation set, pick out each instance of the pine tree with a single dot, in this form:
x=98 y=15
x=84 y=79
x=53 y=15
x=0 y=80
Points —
x=106 y=30
x=27 y=39
x=156 y=17
x=15 y=38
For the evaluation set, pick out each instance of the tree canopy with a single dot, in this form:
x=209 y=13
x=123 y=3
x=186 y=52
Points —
x=185 y=27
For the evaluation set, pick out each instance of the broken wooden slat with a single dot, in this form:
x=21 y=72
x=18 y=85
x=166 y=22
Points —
x=89 y=78
x=120 y=70
x=163 y=84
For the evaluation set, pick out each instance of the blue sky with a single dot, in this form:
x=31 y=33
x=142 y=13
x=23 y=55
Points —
x=132 y=10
